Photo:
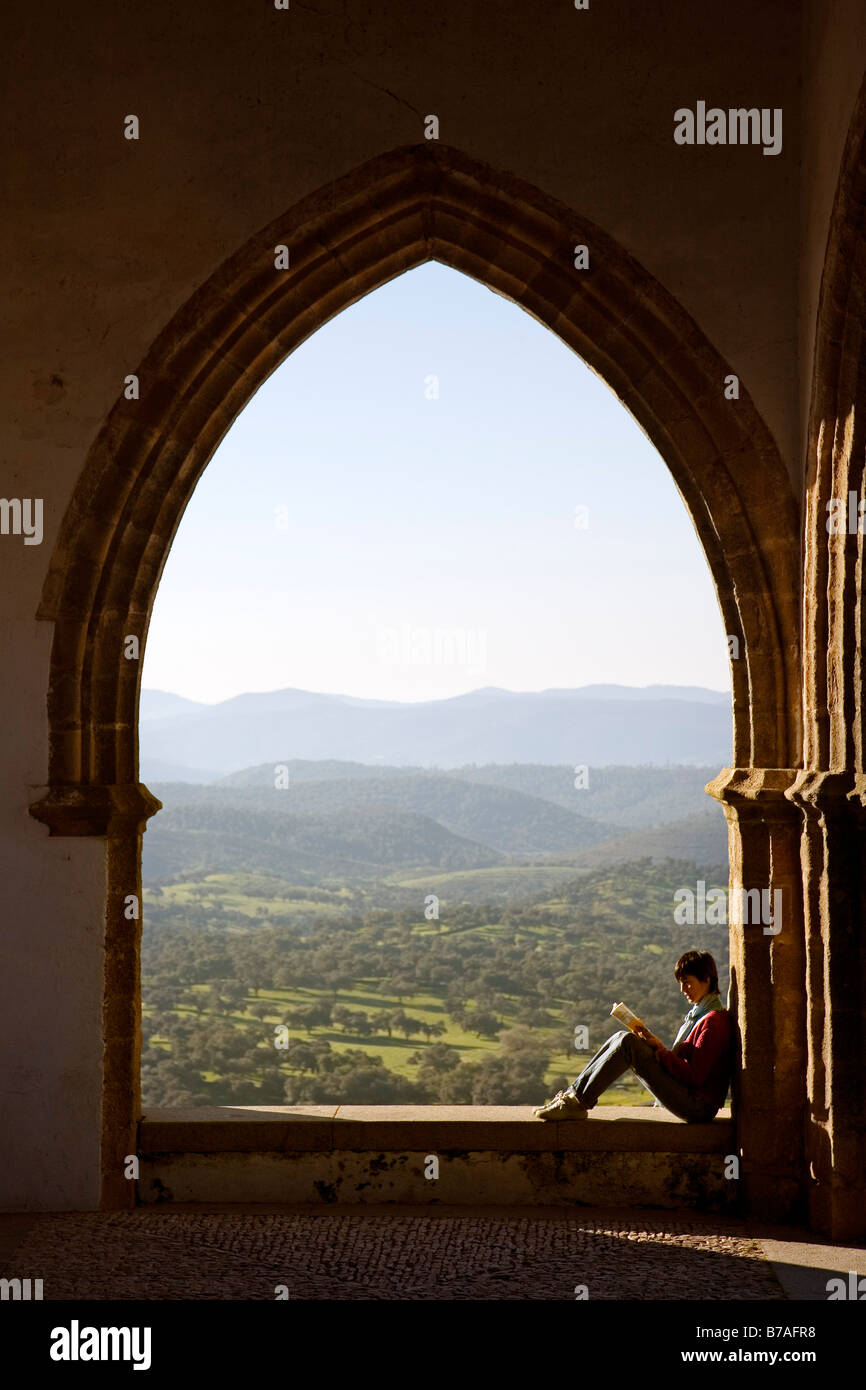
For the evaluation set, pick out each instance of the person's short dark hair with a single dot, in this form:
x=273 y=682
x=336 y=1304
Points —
x=701 y=965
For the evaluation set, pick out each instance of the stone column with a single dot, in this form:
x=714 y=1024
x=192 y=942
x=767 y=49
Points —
x=767 y=994
x=834 y=876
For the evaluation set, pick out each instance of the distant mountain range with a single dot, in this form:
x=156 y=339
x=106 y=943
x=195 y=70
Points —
x=596 y=725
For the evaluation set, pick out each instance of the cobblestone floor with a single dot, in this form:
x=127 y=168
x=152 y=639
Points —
x=378 y=1256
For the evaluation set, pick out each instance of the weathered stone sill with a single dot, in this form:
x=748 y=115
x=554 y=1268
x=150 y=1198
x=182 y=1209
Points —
x=484 y=1155
x=497 y=1128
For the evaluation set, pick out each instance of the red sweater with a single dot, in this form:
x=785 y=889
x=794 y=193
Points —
x=704 y=1061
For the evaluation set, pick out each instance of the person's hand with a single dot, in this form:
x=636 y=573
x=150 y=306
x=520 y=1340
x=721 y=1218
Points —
x=642 y=1031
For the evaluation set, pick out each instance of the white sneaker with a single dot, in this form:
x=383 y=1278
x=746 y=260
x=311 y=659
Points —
x=564 y=1106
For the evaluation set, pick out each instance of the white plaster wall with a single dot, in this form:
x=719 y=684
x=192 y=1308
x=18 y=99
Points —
x=51 y=942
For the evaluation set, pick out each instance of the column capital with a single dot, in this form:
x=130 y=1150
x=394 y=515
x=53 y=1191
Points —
x=96 y=810
x=818 y=791
x=761 y=790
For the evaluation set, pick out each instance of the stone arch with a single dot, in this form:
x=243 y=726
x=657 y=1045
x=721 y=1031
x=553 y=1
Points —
x=411 y=205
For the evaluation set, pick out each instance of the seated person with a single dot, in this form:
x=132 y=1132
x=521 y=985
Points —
x=691 y=1079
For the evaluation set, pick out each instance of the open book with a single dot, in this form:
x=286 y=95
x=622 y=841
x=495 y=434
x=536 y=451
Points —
x=625 y=1015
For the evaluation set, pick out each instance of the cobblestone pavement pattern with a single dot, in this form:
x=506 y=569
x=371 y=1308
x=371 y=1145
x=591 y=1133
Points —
x=357 y=1255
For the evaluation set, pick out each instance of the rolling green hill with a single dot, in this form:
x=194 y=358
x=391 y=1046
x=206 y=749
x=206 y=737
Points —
x=200 y=837
x=479 y=1006
x=498 y=816
x=339 y=820
x=702 y=837
x=622 y=797
x=631 y=797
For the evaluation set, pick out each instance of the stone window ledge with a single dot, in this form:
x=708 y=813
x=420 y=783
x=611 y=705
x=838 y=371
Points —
x=431 y=1128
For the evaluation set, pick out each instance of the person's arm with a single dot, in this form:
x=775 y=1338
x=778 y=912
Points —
x=697 y=1059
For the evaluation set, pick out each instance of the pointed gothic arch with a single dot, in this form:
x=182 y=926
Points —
x=409 y=206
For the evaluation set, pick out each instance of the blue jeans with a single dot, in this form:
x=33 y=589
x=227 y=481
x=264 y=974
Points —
x=624 y=1051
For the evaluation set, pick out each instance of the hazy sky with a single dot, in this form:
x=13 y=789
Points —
x=358 y=535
